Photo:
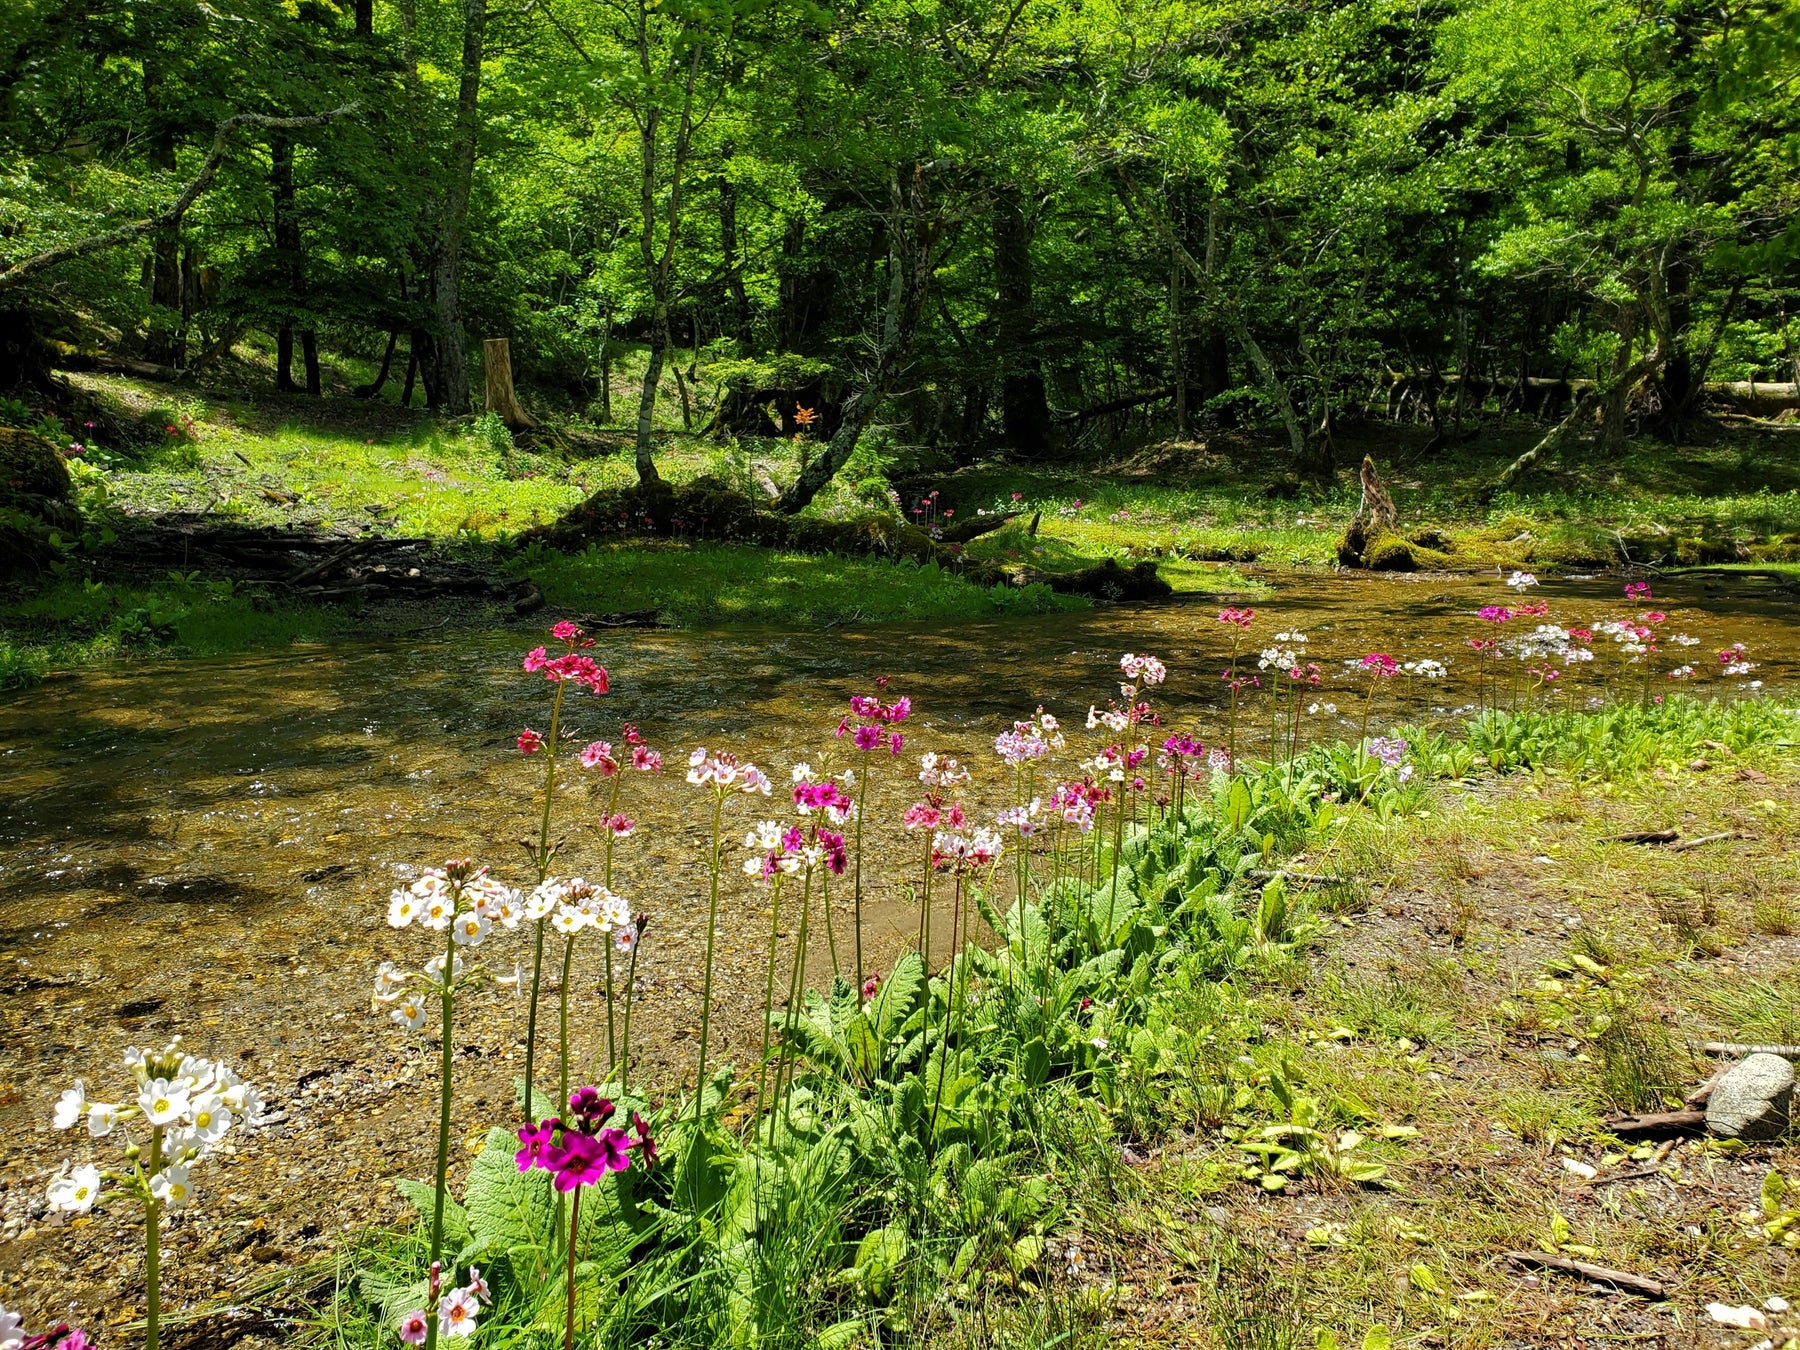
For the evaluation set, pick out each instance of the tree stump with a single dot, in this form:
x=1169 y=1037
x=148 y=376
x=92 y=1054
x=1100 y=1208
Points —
x=496 y=361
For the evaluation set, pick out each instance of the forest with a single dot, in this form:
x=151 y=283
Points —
x=954 y=674
x=973 y=226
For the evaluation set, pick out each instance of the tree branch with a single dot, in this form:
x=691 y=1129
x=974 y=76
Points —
x=170 y=217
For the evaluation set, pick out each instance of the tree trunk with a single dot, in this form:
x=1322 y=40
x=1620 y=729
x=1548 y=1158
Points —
x=309 y=352
x=374 y=387
x=284 y=358
x=289 y=264
x=166 y=342
x=728 y=249
x=911 y=265
x=1225 y=307
x=1178 y=349
x=365 y=18
x=446 y=268
x=1562 y=432
x=496 y=362
x=1024 y=408
x=606 y=366
x=412 y=370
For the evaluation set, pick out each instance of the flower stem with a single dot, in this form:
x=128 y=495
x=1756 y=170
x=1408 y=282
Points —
x=543 y=870
x=562 y=1026
x=862 y=801
x=762 y=1075
x=712 y=926
x=630 y=994
x=447 y=1067
x=612 y=1054
x=569 y=1306
x=153 y=1248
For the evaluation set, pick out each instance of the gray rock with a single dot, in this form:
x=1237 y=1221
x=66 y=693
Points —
x=1753 y=1098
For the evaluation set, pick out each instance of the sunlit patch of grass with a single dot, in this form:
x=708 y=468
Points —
x=732 y=585
x=78 y=622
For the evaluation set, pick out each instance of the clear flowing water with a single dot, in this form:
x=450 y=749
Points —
x=206 y=848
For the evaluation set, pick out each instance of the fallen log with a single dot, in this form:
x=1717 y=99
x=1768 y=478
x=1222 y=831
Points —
x=975 y=526
x=1619 y=1279
x=1646 y=837
x=1657 y=1125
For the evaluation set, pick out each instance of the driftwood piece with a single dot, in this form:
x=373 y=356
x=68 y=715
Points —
x=1734 y=1048
x=1700 y=1096
x=330 y=561
x=1619 y=1279
x=1646 y=837
x=1686 y=844
x=1657 y=1124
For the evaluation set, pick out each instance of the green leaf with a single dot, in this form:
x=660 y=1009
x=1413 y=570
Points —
x=512 y=1210
x=422 y=1197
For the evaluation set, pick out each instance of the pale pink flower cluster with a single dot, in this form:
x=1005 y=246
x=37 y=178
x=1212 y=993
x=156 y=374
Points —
x=723 y=773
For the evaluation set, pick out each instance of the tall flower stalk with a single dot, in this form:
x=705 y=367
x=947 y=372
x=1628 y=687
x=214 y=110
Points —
x=573 y=665
x=723 y=775
x=871 y=716
x=464 y=903
x=1239 y=621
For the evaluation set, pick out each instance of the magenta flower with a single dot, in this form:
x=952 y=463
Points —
x=1243 y=618
x=1637 y=590
x=537 y=1141
x=1380 y=664
x=1495 y=613
x=530 y=742
x=644 y=1144
x=566 y=632
x=535 y=660
x=867 y=738
x=894 y=741
x=413 y=1327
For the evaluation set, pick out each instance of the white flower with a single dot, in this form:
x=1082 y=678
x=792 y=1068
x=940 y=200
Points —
x=472 y=929
x=614 y=911
x=434 y=969
x=70 y=1106
x=389 y=980
x=569 y=920
x=171 y=1186
x=77 y=1191
x=211 y=1118
x=765 y=837
x=484 y=892
x=439 y=910
x=102 y=1116
x=134 y=1058
x=1099 y=1042
x=545 y=898
x=403 y=908
x=802 y=773
x=506 y=912
x=626 y=938
x=246 y=1100
x=163 y=1102
x=456 y=1313
x=12 y=1334
x=1520 y=581
x=411 y=1012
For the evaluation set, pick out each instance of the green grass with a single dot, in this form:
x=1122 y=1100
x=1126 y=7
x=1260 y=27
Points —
x=78 y=622
x=734 y=585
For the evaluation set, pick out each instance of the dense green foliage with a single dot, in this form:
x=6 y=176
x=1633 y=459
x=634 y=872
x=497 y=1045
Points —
x=964 y=224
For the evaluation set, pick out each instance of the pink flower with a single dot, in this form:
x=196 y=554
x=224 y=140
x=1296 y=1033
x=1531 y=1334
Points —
x=921 y=814
x=537 y=1141
x=1017 y=496
x=599 y=755
x=1241 y=617
x=566 y=632
x=1379 y=664
x=535 y=660
x=1654 y=616
x=1495 y=613
x=413 y=1328
x=1637 y=590
x=530 y=742
x=895 y=741
x=621 y=826
x=646 y=760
